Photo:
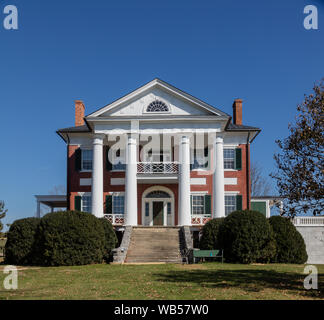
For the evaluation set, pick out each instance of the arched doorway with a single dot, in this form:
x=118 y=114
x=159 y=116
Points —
x=158 y=207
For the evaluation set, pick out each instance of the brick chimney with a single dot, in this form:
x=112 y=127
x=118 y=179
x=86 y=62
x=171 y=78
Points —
x=237 y=111
x=79 y=113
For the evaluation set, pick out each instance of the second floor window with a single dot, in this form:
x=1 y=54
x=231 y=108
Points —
x=119 y=162
x=229 y=158
x=86 y=159
x=200 y=159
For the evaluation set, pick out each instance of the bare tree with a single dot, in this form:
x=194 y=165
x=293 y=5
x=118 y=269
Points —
x=58 y=190
x=260 y=185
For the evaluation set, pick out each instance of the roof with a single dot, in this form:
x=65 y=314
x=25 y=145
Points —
x=166 y=86
x=54 y=201
x=83 y=128
x=241 y=127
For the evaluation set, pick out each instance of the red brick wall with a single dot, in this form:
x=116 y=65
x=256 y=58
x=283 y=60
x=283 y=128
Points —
x=74 y=182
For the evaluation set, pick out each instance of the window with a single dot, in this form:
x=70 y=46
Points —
x=147 y=209
x=120 y=166
x=86 y=159
x=230 y=204
x=118 y=161
x=118 y=204
x=198 y=206
x=158 y=194
x=86 y=204
x=229 y=158
x=200 y=159
x=169 y=208
x=157 y=106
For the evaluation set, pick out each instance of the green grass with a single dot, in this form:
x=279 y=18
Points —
x=167 y=281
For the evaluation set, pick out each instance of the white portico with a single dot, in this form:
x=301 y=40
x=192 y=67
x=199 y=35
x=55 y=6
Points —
x=157 y=157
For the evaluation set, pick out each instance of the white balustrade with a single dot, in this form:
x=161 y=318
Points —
x=115 y=219
x=309 y=221
x=199 y=219
x=157 y=167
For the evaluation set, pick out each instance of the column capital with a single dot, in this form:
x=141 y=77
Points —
x=219 y=138
x=185 y=139
x=98 y=138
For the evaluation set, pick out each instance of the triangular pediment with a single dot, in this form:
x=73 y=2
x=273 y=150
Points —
x=162 y=98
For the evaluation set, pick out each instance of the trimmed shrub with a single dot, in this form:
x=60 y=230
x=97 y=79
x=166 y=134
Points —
x=246 y=237
x=110 y=239
x=69 y=238
x=290 y=244
x=20 y=241
x=208 y=240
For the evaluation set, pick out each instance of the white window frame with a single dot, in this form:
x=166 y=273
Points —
x=117 y=194
x=88 y=195
x=230 y=148
x=230 y=195
x=192 y=205
x=86 y=149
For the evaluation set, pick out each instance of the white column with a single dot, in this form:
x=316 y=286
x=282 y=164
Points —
x=131 y=183
x=97 y=177
x=184 y=182
x=218 y=185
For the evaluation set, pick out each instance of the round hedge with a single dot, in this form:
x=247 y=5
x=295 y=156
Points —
x=246 y=237
x=290 y=244
x=69 y=238
x=20 y=241
x=110 y=239
x=208 y=240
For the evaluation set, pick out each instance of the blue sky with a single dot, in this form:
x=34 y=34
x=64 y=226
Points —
x=99 y=50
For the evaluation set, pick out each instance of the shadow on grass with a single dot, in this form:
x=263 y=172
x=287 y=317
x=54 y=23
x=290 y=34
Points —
x=245 y=279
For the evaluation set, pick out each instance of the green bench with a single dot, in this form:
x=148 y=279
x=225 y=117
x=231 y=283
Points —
x=201 y=254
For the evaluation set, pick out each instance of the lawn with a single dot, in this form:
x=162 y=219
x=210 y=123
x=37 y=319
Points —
x=166 y=281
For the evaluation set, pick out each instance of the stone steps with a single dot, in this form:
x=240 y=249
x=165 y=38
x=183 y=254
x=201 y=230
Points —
x=154 y=244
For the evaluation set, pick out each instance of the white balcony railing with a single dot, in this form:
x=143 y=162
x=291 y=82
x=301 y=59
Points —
x=157 y=167
x=115 y=219
x=308 y=221
x=199 y=219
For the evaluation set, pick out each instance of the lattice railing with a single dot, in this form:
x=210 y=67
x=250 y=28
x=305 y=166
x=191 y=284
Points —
x=157 y=167
x=115 y=219
x=309 y=221
x=199 y=219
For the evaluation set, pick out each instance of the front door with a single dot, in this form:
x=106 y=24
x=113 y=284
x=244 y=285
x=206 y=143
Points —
x=158 y=209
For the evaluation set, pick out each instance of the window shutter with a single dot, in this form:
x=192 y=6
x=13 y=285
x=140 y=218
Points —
x=208 y=204
x=77 y=203
x=238 y=159
x=239 y=202
x=109 y=204
x=108 y=163
x=191 y=204
x=78 y=156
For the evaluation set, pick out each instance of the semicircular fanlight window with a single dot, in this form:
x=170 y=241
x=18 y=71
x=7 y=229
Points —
x=158 y=194
x=157 y=106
